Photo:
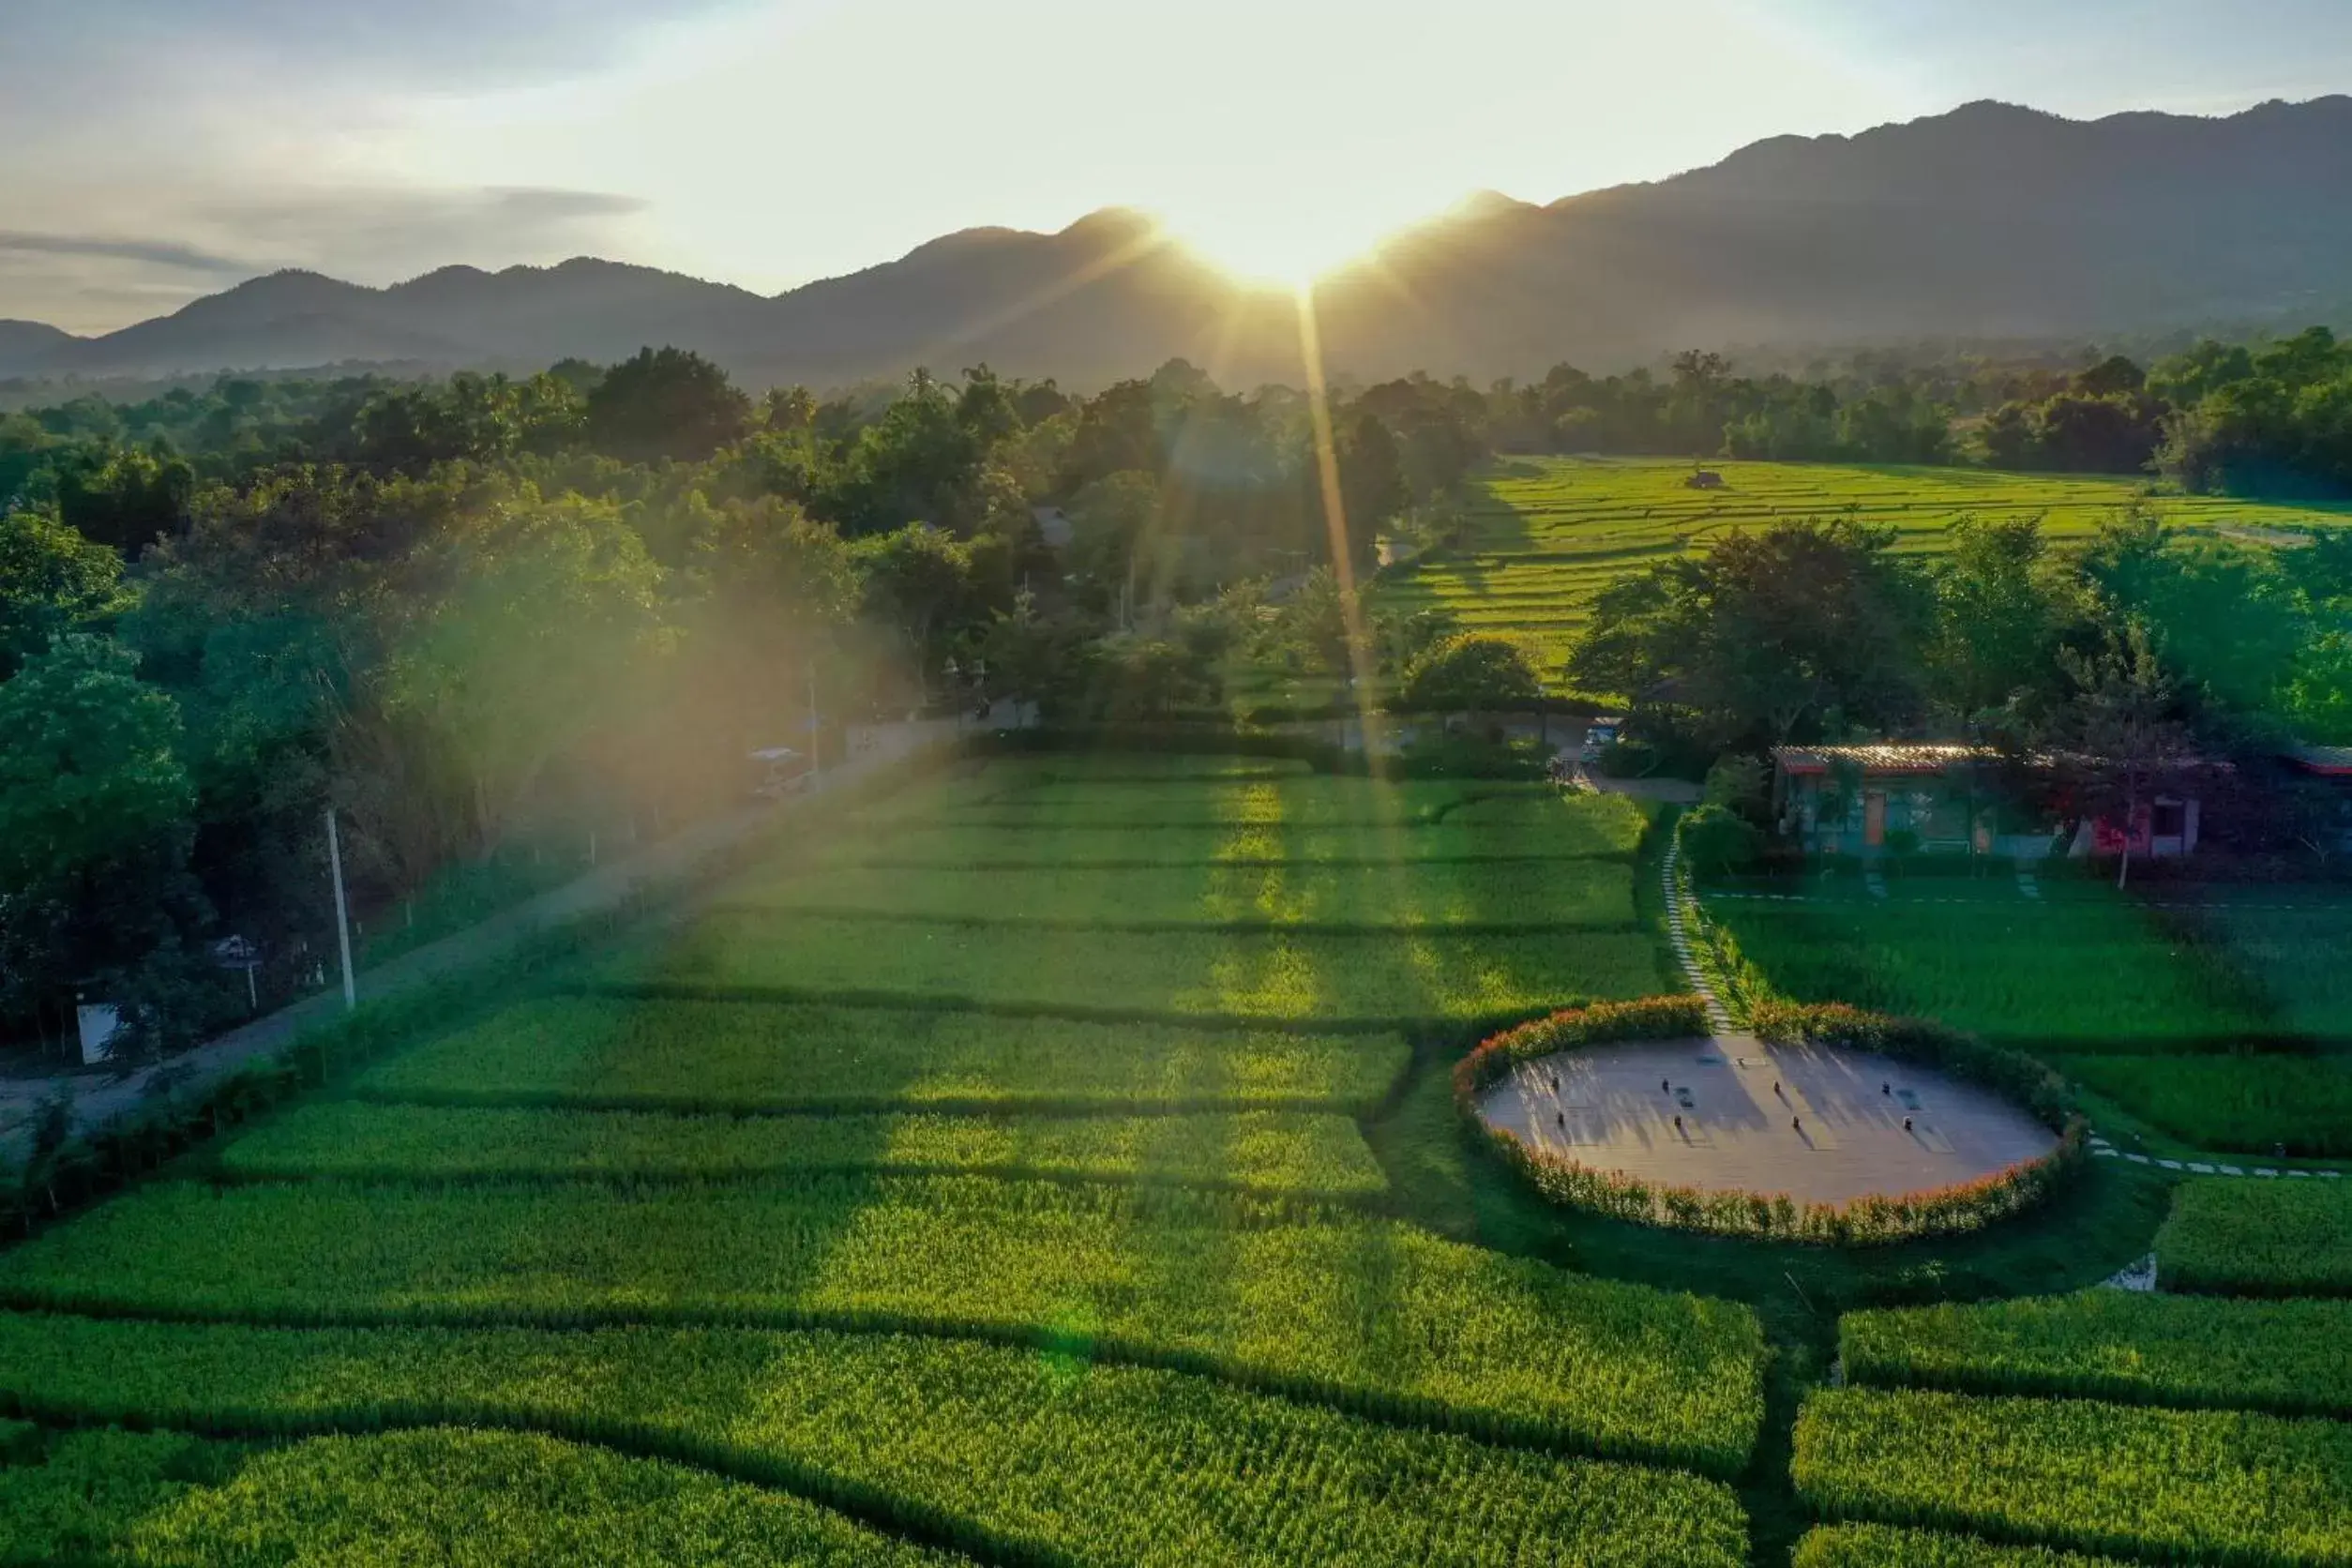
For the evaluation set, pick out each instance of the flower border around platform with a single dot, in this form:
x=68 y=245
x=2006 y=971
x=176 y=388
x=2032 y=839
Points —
x=1867 y=1221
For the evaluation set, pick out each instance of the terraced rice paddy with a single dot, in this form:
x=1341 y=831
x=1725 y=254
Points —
x=896 y=1209
x=2147 y=1427
x=1546 y=535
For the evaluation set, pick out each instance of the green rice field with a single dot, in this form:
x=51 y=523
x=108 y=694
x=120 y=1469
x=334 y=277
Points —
x=2255 y=1238
x=998 y=1178
x=2212 y=1015
x=1034 y=1171
x=1546 y=535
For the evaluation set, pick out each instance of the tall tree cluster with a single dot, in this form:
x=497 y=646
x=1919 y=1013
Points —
x=472 y=612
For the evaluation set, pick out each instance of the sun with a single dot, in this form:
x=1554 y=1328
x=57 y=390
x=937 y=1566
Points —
x=1289 y=244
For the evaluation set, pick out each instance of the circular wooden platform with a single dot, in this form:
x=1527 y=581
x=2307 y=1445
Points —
x=1822 y=1125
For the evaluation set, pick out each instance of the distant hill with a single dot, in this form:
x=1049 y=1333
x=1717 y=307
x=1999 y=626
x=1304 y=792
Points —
x=27 y=343
x=1988 y=222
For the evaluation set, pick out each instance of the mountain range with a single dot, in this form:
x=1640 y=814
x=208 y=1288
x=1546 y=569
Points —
x=1991 y=221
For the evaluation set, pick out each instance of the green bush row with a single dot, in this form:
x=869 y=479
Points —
x=149 y=1499
x=1365 y=1312
x=2211 y=1486
x=1493 y=896
x=767 y=1056
x=1020 y=1458
x=2139 y=1347
x=1303 y=978
x=1322 y=1156
x=2252 y=1105
x=1885 y=1546
x=2243 y=1236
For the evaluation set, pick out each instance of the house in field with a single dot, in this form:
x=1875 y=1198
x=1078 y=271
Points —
x=2330 y=767
x=1705 y=478
x=1910 y=797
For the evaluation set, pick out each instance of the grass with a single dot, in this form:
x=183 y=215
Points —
x=1033 y=1458
x=2218 y=1486
x=2255 y=1238
x=2246 y=1104
x=1432 y=896
x=1263 y=1151
x=1305 y=978
x=1370 y=1313
x=2133 y=1348
x=2081 y=975
x=738 y=1056
x=2290 y=943
x=435 y=1494
x=1545 y=534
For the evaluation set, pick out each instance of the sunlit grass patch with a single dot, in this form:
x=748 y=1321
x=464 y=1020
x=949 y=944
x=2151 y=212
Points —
x=1304 y=977
x=1033 y=1457
x=748 y=1056
x=1263 y=1151
x=1367 y=1312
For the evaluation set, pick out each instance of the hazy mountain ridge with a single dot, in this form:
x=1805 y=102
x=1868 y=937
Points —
x=1989 y=221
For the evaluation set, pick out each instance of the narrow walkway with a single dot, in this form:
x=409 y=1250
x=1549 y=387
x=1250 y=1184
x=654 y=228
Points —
x=1681 y=913
x=607 y=887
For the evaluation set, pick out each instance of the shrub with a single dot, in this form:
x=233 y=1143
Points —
x=1718 y=841
x=1471 y=673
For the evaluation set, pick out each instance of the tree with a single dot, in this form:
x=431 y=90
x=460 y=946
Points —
x=2118 y=740
x=1372 y=487
x=1111 y=521
x=1996 y=629
x=1802 y=630
x=916 y=584
x=52 y=582
x=2224 y=619
x=1472 y=673
x=545 y=638
x=90 y=769
x=664 y=403
x=124 y=498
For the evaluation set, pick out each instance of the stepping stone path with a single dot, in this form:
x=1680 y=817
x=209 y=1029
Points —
x=2029 y=886
x=1681 y=912
x=1873 y=882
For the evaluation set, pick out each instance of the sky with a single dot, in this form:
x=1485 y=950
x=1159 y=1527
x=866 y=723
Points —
x=159 y=150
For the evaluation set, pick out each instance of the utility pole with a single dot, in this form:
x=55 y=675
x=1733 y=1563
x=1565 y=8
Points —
x=342 y=911
x=816 y=735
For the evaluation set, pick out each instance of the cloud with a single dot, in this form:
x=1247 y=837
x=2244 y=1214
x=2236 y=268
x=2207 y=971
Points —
x=379 y=234
x=407 y=44
x=367 y=234
x=154 y=253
